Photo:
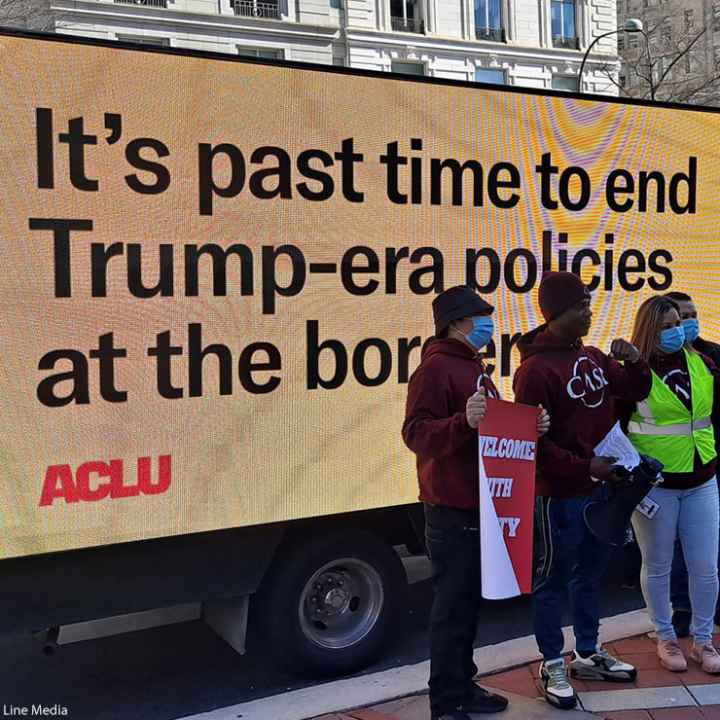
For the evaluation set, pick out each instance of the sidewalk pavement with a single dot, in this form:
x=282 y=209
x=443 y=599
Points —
x=657 y=694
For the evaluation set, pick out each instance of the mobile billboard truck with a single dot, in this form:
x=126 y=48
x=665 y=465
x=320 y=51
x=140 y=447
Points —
x=216 y=281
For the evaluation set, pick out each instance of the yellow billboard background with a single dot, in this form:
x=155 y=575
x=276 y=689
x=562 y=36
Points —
x=244 y=459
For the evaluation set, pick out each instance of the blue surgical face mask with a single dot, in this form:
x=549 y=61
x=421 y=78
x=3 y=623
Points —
x=672 y=339
x=692 y=329
x=481 y=333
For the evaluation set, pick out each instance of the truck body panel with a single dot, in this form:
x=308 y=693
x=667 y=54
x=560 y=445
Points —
x=217 y=284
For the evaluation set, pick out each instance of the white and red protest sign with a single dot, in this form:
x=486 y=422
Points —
x=507 y=447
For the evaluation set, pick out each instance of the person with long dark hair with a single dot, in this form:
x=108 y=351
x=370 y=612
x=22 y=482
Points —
x=675 y=426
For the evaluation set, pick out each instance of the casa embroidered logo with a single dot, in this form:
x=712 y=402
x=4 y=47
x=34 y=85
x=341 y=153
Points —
x=97 y=480
x=588 y=382
x=679 y=382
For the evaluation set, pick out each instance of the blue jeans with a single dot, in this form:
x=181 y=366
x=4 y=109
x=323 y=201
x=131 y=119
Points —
x=568 y=559
x=679 y=592
x=693 y=516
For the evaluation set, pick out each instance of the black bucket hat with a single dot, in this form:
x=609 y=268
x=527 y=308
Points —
x=456 y=303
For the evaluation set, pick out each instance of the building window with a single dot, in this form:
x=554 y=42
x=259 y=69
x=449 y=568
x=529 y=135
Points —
x=488 y=20
x=408 y=68
x=563 y=24
x=144 y=40
x=146 y=3
x=266 y=53
x=658 y=69
x=490 y=76
x=254 y=8
x=338 y=61
x=666 y=32
x=567 y=83
x=405 y=16
x=689 y=20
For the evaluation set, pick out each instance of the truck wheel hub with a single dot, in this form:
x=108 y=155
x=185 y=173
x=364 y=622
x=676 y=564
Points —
x=341 y=603
x=337 y=600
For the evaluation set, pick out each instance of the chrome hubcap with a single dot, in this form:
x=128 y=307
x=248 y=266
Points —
x=341 y=603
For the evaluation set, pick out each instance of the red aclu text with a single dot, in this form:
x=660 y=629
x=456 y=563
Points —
x=96 y=480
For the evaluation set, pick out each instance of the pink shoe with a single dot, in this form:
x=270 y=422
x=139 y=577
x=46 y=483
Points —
x=707 y=656
x=671 y=656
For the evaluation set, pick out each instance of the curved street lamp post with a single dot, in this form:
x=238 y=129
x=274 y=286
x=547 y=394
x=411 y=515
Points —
x=631 y=26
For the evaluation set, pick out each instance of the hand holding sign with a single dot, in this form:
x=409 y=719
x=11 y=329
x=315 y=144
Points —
x=475 y=408
x=543 y=422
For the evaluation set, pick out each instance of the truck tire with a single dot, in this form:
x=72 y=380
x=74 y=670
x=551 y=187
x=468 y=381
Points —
x=329 y=604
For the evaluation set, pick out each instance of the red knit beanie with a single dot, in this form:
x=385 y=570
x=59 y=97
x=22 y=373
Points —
x=558 y=292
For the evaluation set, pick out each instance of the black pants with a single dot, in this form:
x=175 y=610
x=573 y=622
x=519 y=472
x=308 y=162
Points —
x=453 y=544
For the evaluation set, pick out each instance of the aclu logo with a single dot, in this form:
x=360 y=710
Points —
x=588 y=382
x=97 y=480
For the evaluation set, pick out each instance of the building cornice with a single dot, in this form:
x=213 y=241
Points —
x=95 y=11
x=280 y=31
x=432 y=43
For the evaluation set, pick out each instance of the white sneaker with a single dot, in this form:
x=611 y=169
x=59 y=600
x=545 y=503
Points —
x=558 y=690
x=601 y=665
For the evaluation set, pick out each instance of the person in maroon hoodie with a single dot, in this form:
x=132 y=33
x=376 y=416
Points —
x=445 y=403
x=577 y=385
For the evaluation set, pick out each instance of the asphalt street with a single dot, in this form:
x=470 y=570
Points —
x=173 y=671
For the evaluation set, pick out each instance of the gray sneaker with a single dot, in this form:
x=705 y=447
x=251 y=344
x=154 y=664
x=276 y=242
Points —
x=558 y=690
x=601 y=666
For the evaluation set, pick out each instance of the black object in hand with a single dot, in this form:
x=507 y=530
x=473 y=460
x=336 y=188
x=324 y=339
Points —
x=621 y=476
x=608 y=519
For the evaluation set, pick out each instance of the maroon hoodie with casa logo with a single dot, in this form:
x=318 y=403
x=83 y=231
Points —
x=436 y=428
x=577 y=385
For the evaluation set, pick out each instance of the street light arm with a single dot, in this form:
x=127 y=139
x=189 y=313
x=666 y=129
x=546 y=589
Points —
x=587 y=52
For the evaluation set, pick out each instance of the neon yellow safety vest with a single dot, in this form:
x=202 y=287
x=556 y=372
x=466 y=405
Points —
x=665 y=429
